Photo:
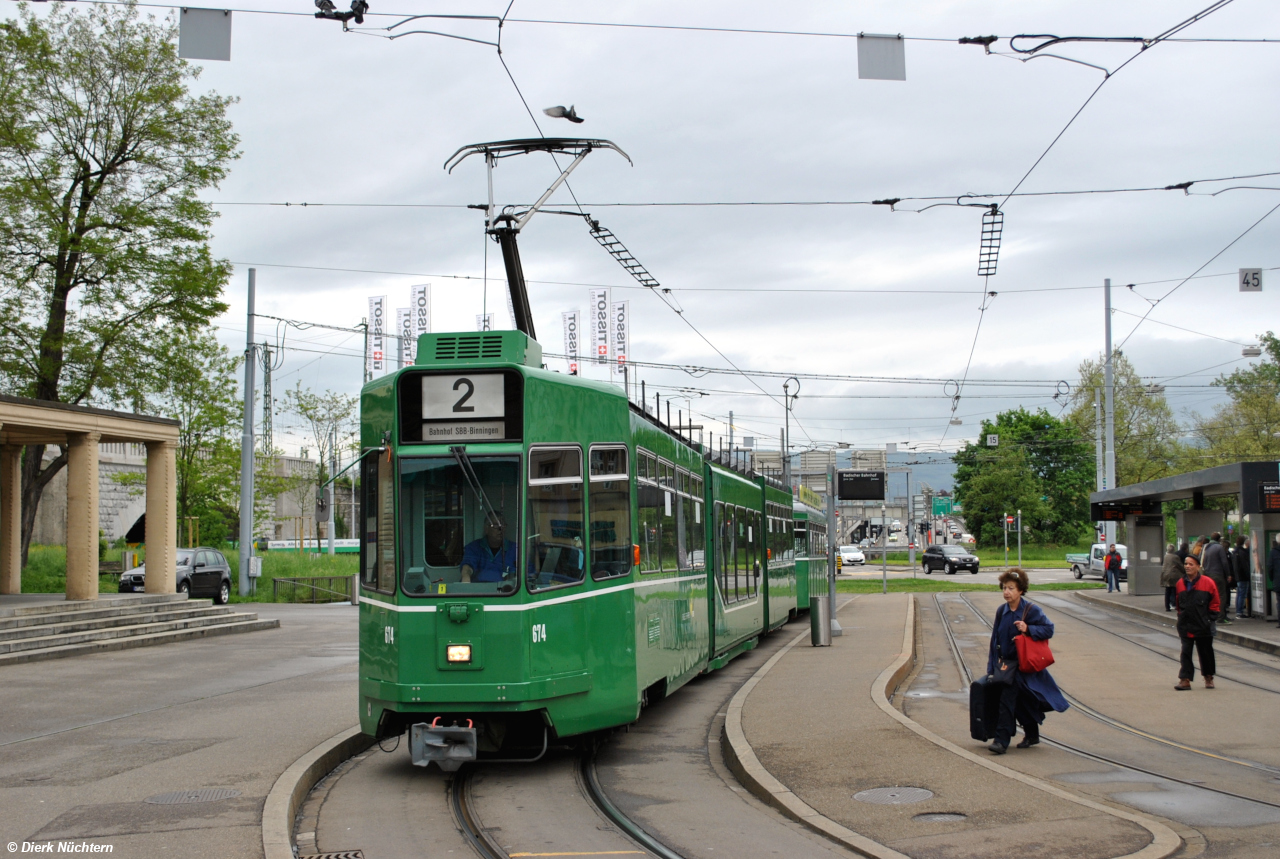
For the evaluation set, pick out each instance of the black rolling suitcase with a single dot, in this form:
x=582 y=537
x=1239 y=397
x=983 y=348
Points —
x=984 y=709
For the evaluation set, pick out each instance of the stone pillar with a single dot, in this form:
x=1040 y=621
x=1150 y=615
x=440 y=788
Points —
x=162 y=518
x=82 y=516
x=10 y=519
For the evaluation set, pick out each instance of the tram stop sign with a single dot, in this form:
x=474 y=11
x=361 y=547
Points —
x=860 y=485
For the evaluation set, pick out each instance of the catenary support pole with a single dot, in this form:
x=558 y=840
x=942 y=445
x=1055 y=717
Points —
x=1019 y=538
x=330 y=489
x=884 y=553
x=246 y=445
x=1110 y=382
x=836 y=630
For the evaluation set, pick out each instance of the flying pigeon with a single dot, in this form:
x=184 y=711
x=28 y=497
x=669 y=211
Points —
x=560 y=112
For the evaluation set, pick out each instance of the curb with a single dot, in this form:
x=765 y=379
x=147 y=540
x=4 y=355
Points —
x=1224 y=635
x=747 y=767
x=293 y=785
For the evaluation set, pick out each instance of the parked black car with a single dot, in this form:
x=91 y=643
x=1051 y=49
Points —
x=202 y=572
x=949 y=558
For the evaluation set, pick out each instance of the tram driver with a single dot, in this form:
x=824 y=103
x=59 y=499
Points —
x=491 y=557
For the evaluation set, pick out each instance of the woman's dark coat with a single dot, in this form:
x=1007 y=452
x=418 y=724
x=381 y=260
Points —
x=1172 y=570
x=1039 y=684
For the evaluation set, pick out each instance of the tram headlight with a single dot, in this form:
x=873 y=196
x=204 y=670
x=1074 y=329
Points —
x=458 y=653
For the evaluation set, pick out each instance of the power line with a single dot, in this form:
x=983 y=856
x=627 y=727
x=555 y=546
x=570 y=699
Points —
x=891 y=202
x=1228 y=246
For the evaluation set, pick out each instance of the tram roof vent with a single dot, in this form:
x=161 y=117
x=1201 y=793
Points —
x=480 y=347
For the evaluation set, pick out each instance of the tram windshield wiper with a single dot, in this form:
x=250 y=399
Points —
x=469 y=472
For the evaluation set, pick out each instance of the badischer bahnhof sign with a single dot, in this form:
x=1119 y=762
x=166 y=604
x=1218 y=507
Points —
x=860 y=485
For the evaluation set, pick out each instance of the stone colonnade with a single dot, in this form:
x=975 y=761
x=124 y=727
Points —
x=23 y=422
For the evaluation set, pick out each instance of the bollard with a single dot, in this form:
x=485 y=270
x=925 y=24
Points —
x=820 y=621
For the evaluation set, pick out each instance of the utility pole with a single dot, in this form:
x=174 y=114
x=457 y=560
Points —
x=884 y=552
x=330 y=493
x=1109 y=381
x=246 y=446
x=787 y=398
x=1004 y=520
x=836 y=629
x=1019 y=538
x=911 y=528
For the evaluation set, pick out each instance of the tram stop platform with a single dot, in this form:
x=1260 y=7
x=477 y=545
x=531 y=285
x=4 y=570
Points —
x=852 y=765
x=1255 y=633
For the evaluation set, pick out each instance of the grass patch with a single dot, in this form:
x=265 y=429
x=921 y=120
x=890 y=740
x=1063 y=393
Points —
x=911 y=586
x=288 y=565
x=46 y=571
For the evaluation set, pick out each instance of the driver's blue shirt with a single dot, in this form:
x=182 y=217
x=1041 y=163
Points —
x=488 y=565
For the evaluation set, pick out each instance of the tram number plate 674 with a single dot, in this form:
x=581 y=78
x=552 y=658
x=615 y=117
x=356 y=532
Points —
x=539 y=632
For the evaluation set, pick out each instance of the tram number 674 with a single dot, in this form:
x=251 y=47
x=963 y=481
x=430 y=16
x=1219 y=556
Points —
x=388 y=635
x=539 y=632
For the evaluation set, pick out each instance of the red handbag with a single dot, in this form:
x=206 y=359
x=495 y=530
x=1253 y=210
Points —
x=1033 y=655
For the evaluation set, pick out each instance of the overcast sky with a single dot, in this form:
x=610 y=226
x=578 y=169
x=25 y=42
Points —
x=331 y=117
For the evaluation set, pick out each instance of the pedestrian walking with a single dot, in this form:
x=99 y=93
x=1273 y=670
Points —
x=1183 y=551
x=1198 y=546
x=1240 y=564
x=1215 y=564
x=1273 y=569
x=1029 y=694
x=1169 y=575
x=1197 y=607
x=1111 y=564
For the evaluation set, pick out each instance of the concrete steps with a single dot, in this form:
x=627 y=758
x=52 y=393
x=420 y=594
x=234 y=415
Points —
x=52 y=631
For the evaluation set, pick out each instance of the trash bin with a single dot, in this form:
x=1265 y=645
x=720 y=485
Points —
x=820 y=621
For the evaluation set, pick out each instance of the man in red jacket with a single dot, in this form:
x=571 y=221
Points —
x=1198 y=604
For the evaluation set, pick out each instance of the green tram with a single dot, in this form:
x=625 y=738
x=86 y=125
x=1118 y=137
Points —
x=541 y=558
x=810 y=550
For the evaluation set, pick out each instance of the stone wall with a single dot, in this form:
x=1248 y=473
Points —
x=118 y=506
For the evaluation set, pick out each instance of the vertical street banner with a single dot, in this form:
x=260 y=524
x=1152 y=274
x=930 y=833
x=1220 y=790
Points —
x=375 y=359
x=420 y=304
x=404 y=330
x=484 y=322
x=620 y=335
x=572 y=331
x=599 y=314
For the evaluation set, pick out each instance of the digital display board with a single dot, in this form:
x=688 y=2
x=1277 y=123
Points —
x=860 y=485
x=1269 y=497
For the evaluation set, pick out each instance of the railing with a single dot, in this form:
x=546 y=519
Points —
x=315 y=589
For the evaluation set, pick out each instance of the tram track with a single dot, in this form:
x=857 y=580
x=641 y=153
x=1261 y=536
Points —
x=1154 y=626
x=471 y=825
x=967 y=677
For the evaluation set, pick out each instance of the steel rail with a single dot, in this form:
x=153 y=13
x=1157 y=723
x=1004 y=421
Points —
x=967 y=674
x=463 y=814
x=595 y=793
x=1155 y=626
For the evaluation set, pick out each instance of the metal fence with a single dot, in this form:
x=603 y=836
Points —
x=315 y=589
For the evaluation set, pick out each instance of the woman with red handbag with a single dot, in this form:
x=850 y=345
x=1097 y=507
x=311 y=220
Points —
x=1018 y=668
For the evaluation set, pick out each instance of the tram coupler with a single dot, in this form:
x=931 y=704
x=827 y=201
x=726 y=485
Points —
x=450 y=747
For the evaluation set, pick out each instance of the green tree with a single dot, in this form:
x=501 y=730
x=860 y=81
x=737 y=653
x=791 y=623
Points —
x=1147 y=435
x=329 y=415
x=1060 y=462
x=994 y=483
x=199 y=389
x=1248 y=425
x=104 y=240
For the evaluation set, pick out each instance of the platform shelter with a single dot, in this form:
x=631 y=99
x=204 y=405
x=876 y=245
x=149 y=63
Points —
x=1255 y=485
x=82 y=429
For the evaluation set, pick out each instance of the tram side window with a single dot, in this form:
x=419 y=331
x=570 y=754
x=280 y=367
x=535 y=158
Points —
x=802 y=539
x=649 y=509
x=739 y=554
x=369 y=516
x=610 y=502
x=670 y=516
x=697 y=539
x=724 y=550
x=556 y=546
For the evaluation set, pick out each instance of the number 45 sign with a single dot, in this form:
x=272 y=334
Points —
x=1251 y=280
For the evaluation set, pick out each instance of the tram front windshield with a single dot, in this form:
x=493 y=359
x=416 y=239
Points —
x=459 y=518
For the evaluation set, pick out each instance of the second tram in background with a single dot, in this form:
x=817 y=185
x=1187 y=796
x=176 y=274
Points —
x=540 y=557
